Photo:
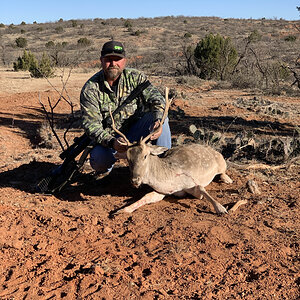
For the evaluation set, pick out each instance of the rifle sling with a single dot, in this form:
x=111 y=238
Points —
x=140 y=88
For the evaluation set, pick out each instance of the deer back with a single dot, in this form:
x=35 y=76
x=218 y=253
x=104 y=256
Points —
x=180 y=168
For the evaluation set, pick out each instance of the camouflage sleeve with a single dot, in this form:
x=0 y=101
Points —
x=92 y=118
x=154 y=99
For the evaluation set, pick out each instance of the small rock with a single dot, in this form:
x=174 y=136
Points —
x=95 y=221
x=193 y=129
x=107 y=230
x=253 y=187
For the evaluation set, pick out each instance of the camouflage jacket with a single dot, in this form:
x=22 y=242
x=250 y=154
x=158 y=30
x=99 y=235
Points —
x=97 y=96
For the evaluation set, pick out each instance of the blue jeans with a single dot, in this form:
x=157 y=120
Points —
x=102 y=159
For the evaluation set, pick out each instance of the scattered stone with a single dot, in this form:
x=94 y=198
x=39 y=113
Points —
x=253 y=187
x=193 y=129
x=267 y=107
x=107 y=230
x=237 y=205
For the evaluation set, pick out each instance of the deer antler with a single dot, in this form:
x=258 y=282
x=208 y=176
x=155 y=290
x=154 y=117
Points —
x=162 y=120
x=118 y=131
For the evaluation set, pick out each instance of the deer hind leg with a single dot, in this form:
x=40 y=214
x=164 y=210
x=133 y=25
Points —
x=147 y=199
x=198 y=191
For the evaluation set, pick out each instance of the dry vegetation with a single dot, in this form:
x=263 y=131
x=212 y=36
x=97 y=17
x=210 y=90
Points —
x=158 y=45
x=67 y=246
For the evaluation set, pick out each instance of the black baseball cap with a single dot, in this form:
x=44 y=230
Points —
x=113 y=48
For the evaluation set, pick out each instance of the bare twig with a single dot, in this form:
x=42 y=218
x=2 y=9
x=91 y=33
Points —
x=297 y=27
x=237 y=205
x=241 y=56
x=51 y=120
x=50 y=115
x=260 y=68
x=296 y=75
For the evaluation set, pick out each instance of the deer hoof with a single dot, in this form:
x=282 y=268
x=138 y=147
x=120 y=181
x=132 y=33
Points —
x=221 y=210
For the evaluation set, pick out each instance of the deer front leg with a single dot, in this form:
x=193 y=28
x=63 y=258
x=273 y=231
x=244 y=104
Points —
x=198 y=191
x=225 y=178
x=147 y=199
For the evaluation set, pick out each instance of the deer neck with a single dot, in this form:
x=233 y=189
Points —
x=156 y=172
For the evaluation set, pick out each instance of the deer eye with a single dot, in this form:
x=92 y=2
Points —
x=145 y=156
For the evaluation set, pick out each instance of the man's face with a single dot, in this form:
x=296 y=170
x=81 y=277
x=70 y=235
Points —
x=113 y=66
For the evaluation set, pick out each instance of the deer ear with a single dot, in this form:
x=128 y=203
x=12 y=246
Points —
x=157 y=150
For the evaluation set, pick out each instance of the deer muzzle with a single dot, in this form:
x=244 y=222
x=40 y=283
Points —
x=136 y=181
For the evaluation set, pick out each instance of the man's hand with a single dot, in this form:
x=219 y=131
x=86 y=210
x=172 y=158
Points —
x=157 y=134
x=120 y=145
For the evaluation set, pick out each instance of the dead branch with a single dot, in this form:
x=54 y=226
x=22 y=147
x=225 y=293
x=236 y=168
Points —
x=237 y=205
x=260 y=68
x=241 y=56
x=297 y=27
x=296 y=75
x=51 y=120
x=50 y=115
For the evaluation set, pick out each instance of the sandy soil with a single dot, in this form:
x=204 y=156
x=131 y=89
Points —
x=68 y=246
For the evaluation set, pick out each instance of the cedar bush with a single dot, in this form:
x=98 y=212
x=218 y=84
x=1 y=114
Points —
x=50 y=44
x=21 y=42
x=59 y=29
x=25 y=62
x=215 y=57
x=290 y=38
x=37 y=69
x=84 y=42
x=43 y=68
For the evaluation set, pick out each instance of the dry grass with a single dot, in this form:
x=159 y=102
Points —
x=163 y=34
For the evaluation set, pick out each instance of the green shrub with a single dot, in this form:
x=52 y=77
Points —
x=50 y=44
x=254 y=36
x=128 y=24
x=187 y=35
x=290 y=38
x=215 y=57
x=138 y=32
x=25 y=62
x=84 y=42
x=21 y=42
x=23 y=31
x=64 y=44
x=28 y=62
x=59 y=29
x=43 y=68
x=74 y=23
x=23 y=23
x=2 y=25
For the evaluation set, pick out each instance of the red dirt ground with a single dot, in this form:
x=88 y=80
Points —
x=68 y=246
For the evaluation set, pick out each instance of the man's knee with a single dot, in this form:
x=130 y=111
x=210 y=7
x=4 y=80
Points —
x=102 y=159
x=165 y=137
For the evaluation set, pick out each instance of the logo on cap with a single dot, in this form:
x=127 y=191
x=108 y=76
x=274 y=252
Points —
x=118 y=48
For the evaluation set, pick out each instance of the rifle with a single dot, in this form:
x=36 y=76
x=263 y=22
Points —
x=70 y=168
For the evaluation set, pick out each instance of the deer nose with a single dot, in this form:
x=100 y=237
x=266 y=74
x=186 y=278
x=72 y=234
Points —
x=136 y=181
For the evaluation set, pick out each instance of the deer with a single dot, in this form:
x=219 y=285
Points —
x=181 y=170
